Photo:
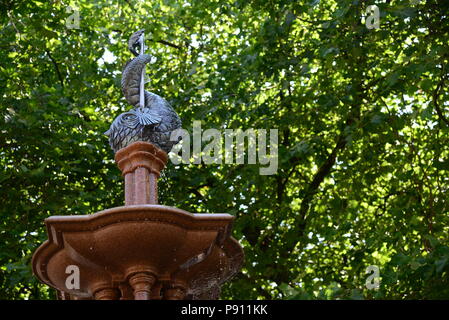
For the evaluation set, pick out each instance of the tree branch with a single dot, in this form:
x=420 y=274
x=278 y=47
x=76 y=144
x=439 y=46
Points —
x=318 y=178
x=58 y=72
x=435 y=95
x=167 y=44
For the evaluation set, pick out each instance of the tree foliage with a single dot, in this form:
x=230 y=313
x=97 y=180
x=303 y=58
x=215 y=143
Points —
x=363 y=134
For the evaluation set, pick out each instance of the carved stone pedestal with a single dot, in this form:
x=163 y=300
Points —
x=142 y=250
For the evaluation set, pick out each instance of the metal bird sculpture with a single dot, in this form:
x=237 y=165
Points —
x=152 y=119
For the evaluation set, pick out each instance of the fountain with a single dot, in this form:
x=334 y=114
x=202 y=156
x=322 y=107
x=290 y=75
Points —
x=142 y=250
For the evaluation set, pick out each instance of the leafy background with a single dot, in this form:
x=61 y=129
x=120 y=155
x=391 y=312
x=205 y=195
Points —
x=363 y=134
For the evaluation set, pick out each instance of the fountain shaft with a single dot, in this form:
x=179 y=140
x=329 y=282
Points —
x=141 y=164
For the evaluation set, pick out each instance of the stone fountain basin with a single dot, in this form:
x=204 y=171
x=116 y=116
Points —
x=194 y=251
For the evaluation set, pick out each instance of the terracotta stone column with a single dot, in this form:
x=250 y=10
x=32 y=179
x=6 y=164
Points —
x=107 y=294
x=141 y=164
x=174 y=293
x=142 y=284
